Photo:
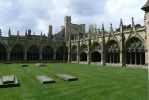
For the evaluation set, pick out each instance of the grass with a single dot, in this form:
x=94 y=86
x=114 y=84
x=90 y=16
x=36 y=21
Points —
x=95 y=83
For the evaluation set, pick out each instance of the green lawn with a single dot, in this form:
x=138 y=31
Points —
x=95 y=83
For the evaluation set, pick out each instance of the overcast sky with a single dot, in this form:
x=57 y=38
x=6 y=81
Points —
x=38 y=14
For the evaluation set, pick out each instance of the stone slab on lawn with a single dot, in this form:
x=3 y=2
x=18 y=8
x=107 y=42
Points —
x=40 y=65
x=8 y=81
x=67 y=77
x=45 y=79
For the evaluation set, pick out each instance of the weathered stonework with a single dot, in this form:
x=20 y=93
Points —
x=126 y=46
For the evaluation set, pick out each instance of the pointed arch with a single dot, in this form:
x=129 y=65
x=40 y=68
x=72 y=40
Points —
x=83 y=47
x=33 y=53
x=83 y=56
x=96 y=56
x=62 y=53
x=135 y=51
x=3 y=52
x=47 y=53
x=17 y=53
x=74 y=53
x=112 y=52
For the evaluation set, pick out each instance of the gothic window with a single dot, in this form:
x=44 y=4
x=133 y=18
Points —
x=83 y=54
x=47 y=53
x=96 y=46
x=33 y=53
x=113 y=52
x=62 y=53
x=17 y=53
x=84 y=48
x=95 y=54
x=135 y=52
x=74 y=53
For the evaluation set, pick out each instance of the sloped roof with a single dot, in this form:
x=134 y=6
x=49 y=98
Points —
x=146 y=6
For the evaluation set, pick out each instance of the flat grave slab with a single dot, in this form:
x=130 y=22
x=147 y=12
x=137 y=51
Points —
x=40 y=65
x=45 y=79
x=8 y=81
x=67 y=77
x=24 y=65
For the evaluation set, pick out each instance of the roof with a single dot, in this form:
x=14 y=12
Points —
x=146 y=6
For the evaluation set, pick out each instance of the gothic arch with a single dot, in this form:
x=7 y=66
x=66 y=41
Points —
x=95 y=46
x=3 y=52
x=112 y=52
x=135 y=51
x=33 y=53
x=83 y=48
x=96 y=56
x=62 y=53
x=47 y=53
x=83 y=56
x=74 y=53
x=17 y=53
x=95 y=52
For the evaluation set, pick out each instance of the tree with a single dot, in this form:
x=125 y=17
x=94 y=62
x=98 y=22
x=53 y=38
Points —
x=92 y=29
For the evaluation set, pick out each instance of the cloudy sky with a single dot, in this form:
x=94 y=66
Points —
x=38 y=14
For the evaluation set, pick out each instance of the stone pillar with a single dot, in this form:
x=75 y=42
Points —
x=69 y=52
x=89 y=51
x=113 y=57
x=140 y=58
x=40 y=54
x=110 y=57
x=135 y=57
x=122 y=41
x=64 y=50
x=25 y=56
x=8 y=56
x=103 y=47
x=54 y=54
x=78 y=49
x=130 y=58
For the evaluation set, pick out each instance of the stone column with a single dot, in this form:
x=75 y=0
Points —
x=103 y=52
x=140 y=58
x=54 y=54
x=122 y=41
x=78 y=54
x=109 y=57
x=135 y=57
x=25 y=56
x=69 y=52
x=130 y=58
x=40 y=54
x=8 y=55
x=78 y=50
x=113 y=57
x=89 y=51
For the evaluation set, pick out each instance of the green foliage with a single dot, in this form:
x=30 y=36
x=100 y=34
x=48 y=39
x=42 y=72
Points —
x=92 y=28
x=95 y=83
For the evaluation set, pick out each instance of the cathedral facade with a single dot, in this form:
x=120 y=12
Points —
x=128 y=45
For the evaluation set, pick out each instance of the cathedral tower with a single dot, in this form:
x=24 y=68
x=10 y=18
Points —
x=67 y=23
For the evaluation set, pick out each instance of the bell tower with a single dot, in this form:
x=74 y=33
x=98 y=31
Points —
x=67 y=23
x=146 y=18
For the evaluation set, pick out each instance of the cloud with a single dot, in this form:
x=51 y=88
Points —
x=37 y=15
x=88 y=7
